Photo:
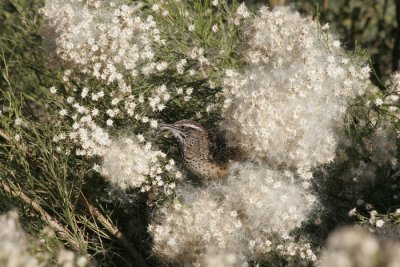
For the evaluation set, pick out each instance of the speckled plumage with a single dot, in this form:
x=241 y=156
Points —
x=204 y=152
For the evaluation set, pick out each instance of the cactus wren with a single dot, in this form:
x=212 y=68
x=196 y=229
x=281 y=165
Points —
x=203 y=151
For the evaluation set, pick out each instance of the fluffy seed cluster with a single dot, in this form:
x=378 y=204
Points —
x=186 y=228
x=67 y=258
x=271 y=205
x=131 y=164
x=15 y=248
x=356 y=246
x=14 y=243
x=102 y=38
x=217 y=259
x=248 y=217
x=286 y=104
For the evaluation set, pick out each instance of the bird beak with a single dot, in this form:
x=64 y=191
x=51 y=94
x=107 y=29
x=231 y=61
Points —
x=171 y=129
x=165 y=127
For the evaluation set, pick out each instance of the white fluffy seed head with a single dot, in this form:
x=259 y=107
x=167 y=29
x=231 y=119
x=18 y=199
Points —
x=287 y=103
x=356 y=246
x=270 y=203
x=185 y=229
x=250 y=216
x=16 y=247
x=14 y=243
x=128 y=163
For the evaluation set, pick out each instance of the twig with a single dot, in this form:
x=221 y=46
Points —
x=355 y=13
x=5 y=136
x=53 y=224
x=59 y=229
x=114 y=231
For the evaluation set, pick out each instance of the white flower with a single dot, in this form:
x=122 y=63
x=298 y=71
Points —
x=214 y=28
x=18 y=122
x=378 y=102
x=336 y=43
x=95 y=112
x=140 y=138
x=242 y=11
x=189 y=91
x=84 y=92
x=109 y=48
x=353 y=212
x=191 y=28
x=153 y=123
x=70 y=99
x=325 y=27
x=63 y=112
x=179 y=90
x=379 y=223
x=180 y=66
x=53 y=90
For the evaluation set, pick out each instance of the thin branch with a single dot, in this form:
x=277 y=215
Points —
x=53 y=224
x=61 y=231
x=355 y=13
x=118 y=235
x=5 y=136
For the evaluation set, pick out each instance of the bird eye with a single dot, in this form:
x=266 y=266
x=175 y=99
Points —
x=182 y=127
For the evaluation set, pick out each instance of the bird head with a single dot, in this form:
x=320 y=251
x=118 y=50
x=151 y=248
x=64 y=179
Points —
x=185 y=129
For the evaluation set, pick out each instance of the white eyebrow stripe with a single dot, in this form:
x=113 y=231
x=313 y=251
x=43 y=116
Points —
x=193 y=126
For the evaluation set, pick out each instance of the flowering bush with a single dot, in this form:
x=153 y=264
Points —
x=250 y=215
x=287 y=104
x=317 y=141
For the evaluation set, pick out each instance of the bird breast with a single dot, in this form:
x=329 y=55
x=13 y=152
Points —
x=196 y=149
x=197 y=157
x=206 y=169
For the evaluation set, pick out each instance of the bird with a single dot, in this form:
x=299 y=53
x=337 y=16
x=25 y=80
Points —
x=203 y=151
